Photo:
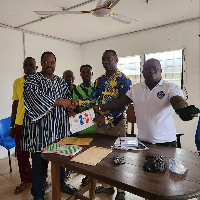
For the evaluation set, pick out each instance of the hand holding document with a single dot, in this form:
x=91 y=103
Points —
x=82 y=121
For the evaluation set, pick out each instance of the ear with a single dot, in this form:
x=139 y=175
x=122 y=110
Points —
x=92 y=73
x=36 y=67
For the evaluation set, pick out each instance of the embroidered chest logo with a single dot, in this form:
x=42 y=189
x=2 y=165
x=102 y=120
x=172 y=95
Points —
x=160 y=94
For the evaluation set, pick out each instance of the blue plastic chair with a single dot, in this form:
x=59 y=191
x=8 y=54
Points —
x=5 y=140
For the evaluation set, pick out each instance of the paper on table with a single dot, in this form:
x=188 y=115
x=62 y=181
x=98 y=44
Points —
x=92 y=156
x=75 y=140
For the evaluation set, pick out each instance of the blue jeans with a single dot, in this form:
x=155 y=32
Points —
x=38 y=175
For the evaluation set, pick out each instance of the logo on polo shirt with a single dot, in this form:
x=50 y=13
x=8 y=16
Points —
x=160 y=94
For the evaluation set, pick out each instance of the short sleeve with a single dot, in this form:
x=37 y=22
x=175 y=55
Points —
x=175 y=90
x=15 y=95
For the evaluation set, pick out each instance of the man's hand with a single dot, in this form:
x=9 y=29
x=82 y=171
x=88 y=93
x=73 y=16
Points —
x=72 y=113
x=74 y=103
x=12 y=133
x=66 y=103
x=99 y=119
x=188 y=112
x=95 y=108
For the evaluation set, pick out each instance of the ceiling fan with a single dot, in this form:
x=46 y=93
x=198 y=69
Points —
x=104 y=8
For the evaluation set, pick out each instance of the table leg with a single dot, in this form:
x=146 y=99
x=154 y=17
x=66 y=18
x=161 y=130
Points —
x=55 y=177
x=92 y=188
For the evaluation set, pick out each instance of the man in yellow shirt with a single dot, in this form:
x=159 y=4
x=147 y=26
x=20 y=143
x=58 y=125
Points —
x=17 y=116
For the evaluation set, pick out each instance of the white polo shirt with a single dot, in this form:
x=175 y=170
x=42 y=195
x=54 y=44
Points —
x=154 y=111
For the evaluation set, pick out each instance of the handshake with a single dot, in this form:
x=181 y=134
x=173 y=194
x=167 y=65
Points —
x=66 y=103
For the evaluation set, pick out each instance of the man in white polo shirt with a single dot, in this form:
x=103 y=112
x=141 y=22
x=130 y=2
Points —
x=154 y=101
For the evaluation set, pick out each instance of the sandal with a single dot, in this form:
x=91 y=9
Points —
x=21 y=187
x=120 y=196
x=101 y=189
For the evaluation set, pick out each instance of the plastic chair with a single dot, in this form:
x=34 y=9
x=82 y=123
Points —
x=5 y=140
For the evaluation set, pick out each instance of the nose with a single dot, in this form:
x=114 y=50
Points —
x=151 y=70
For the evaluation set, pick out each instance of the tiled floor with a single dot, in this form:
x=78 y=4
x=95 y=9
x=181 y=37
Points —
x=8 y=182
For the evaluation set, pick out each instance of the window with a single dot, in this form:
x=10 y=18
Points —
x=171 y=63
x=131 y=66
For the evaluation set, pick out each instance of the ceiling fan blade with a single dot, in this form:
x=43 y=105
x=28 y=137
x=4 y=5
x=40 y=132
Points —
x=60 y=12
x=110 y=3
x=107 y=3
x=122 y=18
x=100 y=3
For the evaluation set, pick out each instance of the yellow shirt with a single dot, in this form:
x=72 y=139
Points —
x=18 y=88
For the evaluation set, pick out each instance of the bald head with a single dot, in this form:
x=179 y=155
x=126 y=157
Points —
x=151 y=61
x=29 y=66
x=69 y=77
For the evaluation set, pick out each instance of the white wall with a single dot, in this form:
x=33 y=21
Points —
x=68 y=55
x=12 y=55
x=167 y=38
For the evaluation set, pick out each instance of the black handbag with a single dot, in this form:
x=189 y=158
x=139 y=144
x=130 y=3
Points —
x=154 y=164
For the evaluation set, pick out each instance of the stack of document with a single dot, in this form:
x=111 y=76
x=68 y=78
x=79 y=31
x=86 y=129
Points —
x=128 y=143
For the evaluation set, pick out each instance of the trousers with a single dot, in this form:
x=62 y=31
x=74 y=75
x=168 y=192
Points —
x=39 y=167
x=22 y=157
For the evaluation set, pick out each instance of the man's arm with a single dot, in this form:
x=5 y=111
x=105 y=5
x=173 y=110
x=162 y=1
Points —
x=118 y=103
x=66 y=103
x=13 y=117
x=178 y=102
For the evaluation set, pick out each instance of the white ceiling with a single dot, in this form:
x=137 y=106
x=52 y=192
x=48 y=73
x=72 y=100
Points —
x=86 y=27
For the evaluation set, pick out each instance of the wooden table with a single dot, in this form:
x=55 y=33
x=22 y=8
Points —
x=130 y=176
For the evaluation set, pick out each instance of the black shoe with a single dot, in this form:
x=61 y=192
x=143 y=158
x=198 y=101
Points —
x=68 y=189
x=38 y=198
x=101 y=189
x=85 y=181
x=120 y=196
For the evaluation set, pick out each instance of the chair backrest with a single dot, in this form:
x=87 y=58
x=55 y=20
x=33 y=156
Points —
x=131 y=118
x=5 y=126
x=131 y=114
x=5 y=140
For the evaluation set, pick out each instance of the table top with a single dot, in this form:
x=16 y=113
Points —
x=132 y=178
